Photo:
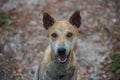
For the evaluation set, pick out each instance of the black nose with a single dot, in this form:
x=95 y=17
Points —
x=61 y=51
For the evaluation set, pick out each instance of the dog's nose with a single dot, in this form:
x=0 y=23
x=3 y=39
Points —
x=61 y=51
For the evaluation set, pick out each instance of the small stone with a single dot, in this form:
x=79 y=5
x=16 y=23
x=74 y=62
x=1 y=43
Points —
x=114 y=20
x=33 y=22
x=104 y=76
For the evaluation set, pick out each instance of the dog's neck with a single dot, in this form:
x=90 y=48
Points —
x=61 y=73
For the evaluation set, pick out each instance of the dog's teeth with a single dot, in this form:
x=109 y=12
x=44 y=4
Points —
x=61 y=60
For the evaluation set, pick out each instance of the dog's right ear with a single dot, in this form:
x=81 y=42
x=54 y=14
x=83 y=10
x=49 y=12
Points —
x=48 y=21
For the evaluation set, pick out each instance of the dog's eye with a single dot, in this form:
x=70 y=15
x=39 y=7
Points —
x=69 y=34
x=54 y=35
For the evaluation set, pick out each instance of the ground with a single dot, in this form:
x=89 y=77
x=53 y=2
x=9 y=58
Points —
x=25 y=38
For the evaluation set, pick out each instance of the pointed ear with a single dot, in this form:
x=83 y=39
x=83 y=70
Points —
x=48 y=21
x=75 y=19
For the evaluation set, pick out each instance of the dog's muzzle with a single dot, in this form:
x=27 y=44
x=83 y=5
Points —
x=62 y=56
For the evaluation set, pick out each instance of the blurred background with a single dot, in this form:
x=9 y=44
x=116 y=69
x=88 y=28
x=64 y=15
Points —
x=23 y=38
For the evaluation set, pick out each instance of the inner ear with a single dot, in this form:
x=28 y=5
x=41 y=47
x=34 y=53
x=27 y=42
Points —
x=75 y=19
x=48 y=21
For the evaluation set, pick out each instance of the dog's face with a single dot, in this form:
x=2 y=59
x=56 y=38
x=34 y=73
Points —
x=62 y=35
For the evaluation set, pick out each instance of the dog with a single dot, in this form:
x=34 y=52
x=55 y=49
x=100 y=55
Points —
x=59 y=61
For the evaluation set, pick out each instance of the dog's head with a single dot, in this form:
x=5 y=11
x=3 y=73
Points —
x=62 y=35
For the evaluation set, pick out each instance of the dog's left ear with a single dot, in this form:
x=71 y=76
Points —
x=48 y=21
x=75 y=19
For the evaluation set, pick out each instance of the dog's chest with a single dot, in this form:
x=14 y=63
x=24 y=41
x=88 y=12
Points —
x=59 y=74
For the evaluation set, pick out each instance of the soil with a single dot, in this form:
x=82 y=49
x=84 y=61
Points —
x=26 y=39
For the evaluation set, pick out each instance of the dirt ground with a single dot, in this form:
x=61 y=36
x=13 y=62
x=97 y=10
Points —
x=23 y=42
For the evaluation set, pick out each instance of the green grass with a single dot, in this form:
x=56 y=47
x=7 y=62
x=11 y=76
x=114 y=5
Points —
x=5 y=18
x=115 y=57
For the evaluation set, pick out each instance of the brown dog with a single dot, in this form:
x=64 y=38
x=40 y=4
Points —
x=59 y=61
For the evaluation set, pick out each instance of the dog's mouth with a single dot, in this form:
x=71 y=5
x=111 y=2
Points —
x=62 y=59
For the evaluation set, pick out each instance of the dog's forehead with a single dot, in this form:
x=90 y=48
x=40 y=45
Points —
x=63 y=26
